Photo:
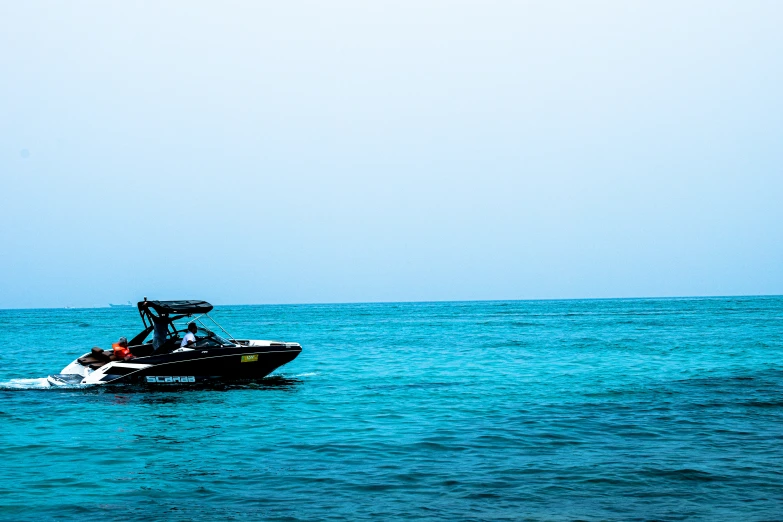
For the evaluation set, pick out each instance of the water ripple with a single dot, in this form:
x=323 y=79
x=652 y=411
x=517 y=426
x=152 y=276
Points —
x=648 y=409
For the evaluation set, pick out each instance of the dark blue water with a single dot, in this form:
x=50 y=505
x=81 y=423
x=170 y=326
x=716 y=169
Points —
x=666 y=409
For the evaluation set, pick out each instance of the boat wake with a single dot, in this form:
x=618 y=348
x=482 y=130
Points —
x=41 y=383
x=25 y=384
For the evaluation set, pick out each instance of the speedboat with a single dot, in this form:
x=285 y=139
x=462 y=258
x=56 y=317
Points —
x=156 y=355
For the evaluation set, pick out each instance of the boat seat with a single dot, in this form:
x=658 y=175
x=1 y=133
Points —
x=96 y=355
x=100 y=353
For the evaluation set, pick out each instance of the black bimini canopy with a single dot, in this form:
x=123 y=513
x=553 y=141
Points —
x=177 y=307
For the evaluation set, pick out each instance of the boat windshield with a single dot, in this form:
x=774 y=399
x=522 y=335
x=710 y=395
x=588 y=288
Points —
x=204 y=336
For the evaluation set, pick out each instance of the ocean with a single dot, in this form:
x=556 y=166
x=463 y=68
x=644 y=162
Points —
x=620 y=409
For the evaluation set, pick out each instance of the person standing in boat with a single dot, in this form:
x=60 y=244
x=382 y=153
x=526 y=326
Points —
x=160 y=327
x=190 y=337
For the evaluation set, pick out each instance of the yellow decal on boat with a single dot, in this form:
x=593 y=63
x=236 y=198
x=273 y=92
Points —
x=250 y=358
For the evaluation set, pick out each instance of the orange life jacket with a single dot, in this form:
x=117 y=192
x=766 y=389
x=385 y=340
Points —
x=120 y=351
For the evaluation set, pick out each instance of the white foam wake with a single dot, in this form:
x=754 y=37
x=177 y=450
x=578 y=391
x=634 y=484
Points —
x=25 y=384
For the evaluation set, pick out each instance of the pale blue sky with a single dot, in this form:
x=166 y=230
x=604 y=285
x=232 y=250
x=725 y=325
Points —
x=275 y=152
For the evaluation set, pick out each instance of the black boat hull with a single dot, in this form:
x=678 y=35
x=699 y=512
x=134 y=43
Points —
x=256 y=365
x=232 y=363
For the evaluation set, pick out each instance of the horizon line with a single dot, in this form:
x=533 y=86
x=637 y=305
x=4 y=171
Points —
x=636 y=298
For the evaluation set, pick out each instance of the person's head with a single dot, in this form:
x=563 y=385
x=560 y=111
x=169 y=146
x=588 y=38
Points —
x=123 y=342
x=192 y=328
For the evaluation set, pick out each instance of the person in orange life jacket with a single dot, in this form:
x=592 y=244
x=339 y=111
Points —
x=190 y=337
x=121 y=350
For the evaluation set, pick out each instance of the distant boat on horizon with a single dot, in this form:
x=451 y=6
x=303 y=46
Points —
x=120 y=305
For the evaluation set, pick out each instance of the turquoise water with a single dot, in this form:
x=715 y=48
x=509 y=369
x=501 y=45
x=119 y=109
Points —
x=667 y=409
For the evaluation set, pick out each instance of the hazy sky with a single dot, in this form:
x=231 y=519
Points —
x=275 y=152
